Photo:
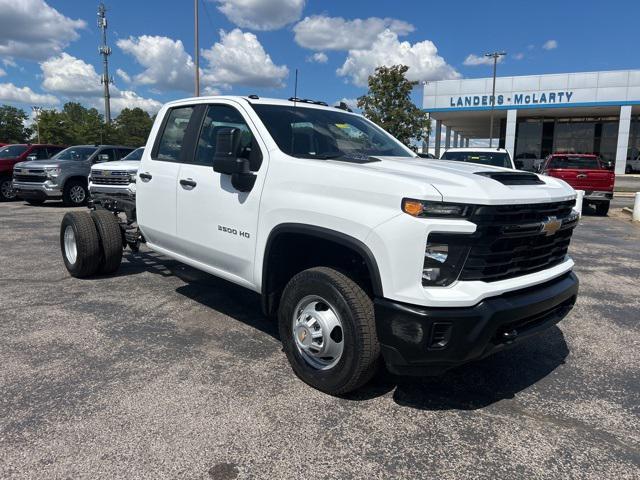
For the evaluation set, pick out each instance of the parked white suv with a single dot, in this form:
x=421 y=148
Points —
x=363 y=250
x=496 y=157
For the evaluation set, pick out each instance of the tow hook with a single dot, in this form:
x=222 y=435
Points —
x=509 y=336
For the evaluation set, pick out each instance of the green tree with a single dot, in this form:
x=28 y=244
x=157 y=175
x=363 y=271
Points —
x=54 y=129
x=12 y=128
x=133 y=126
x=388 y=104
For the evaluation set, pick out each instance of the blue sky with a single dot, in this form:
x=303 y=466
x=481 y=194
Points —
x=49 y=49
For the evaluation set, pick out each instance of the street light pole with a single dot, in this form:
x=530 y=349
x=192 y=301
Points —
x=36 y=111
x=495 y=56
x=197 y=48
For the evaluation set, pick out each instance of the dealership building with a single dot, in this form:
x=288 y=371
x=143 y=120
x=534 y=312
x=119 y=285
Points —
x=591 y=112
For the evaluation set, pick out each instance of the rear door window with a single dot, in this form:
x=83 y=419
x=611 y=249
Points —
x=170 y=143
x=574 y=162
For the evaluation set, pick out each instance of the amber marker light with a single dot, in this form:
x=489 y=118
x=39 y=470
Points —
x=412 y=207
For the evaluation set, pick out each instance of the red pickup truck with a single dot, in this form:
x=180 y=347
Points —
x=583 y=172
x=19 y=152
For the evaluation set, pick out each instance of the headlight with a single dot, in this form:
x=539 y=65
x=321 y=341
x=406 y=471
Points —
x=52 y=171
x=426 y=209
x=443 y=261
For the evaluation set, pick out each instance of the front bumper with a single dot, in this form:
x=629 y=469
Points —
x=38 y=191
x=597 y=195
x=418 y=340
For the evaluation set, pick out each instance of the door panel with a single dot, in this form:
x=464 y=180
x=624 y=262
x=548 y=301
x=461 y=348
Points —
x=216 y=223
x=157 y=180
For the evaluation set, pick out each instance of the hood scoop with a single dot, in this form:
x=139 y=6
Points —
x=513 y=178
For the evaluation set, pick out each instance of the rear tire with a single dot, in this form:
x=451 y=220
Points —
x=79 y=244
x=309 y=298
x=75 y=193
x=602 y=209
x=7 y=193
x=110 y=238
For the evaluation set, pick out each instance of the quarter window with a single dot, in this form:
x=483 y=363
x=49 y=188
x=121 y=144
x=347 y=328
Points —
x=170 y=145
x=220 y=117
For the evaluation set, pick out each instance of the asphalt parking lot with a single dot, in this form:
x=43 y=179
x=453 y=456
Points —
x=165 y=372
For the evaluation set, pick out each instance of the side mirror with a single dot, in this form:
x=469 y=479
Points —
x=227 y=162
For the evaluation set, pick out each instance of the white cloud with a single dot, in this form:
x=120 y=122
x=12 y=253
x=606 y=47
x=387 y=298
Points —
x=320 y=32
x=124 y=76
x=10 y=93
x=167 y=65
x=422 y=59
x=550 y=45
x=318 y=57
x=474 y=60
x=2 y=72
x=519 y=56
x=34 y=30
x=240 y=59
x=261 y=14
x=77 y=80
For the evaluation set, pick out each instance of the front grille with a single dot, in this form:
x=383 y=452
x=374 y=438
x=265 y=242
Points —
x=113 y=178
x=30 y=178
x=509 y=242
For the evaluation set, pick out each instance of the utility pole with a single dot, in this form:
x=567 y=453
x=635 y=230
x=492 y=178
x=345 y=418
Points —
x=36 y=112
x=495 y=56
x=105 y=51
x=197 y=48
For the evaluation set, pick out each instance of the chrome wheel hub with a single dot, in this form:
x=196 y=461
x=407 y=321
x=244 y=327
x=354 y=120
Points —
x=317 y=332
x=77 y=194
x=70 y=248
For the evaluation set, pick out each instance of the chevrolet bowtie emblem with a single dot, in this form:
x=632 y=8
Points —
x=550 y=226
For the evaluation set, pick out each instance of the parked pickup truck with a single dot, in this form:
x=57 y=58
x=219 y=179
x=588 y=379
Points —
x=583 y=172
x=64 y=175
x=12 y=154
x=361 y=249
x=112 y=185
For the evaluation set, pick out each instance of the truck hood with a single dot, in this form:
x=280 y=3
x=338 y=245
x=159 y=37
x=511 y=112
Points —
x=44 y=163
x=460 y=182
x=126 y=165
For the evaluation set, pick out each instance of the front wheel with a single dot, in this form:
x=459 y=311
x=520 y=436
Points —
x=74 y=193
x=7 y=193
x=328 y=331
x=602 y=209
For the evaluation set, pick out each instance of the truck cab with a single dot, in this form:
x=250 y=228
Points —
x=63 y=176
x=363 y=251
x=16 y=153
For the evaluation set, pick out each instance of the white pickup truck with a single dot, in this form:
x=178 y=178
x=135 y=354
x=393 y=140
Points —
x=364 y=251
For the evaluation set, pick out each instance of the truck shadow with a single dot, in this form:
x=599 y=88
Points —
x=472 y=386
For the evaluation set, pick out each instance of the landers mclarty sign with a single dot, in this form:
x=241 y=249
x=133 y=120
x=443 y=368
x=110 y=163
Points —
x=542 y=98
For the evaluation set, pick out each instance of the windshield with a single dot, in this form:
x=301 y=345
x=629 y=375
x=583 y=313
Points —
x=135 y=155
x=319 y=133
x=496 y=159
x=75 y=153
x=574 y=162
x=12 y=151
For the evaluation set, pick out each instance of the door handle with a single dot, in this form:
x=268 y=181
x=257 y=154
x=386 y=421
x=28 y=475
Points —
x=188 y=182
x=145 y=177
x=582 y=175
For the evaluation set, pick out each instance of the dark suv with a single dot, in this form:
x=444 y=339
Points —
x=19 y=152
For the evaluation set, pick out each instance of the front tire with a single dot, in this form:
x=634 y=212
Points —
x=110 y=238
x=7 y=193
x=79 y=244
x=75 y=193
x=602 y=209
x=328 y=331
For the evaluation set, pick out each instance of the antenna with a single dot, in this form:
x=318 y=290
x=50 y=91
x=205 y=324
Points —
x=105 y=51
